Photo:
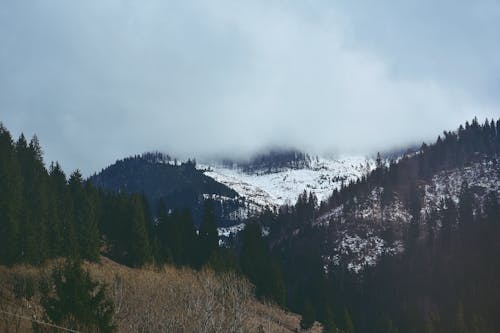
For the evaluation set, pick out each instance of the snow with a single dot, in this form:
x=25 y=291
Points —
x=361 y=252
x=274 y=189
x=482 y=177
x=358 y=242
x=228 y=231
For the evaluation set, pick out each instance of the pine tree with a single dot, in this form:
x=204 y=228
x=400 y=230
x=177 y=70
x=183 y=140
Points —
x=328 y=322
x=188 y=238
x=63 y=231
x=461 y=327
x=55 y=228
x=308 y=316
x=208 y=236
x=348 y=324
x=140 y=250
x=466 y=205
x=89 y=233
x=448 y=220
x=86 y=227
x=35 y=210
x=162 y=231
x=10 y=200
x=76 y=301
x=260 y=267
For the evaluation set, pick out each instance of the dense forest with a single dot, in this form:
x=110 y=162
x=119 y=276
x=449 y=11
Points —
x=272 y=161
x=446 y=280
x=166 y=181
x=46 y=215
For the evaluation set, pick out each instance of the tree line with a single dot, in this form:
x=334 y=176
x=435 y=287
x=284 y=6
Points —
x=446 y=280
x=45 y=215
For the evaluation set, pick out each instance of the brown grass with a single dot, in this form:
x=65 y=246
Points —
x=155 y=300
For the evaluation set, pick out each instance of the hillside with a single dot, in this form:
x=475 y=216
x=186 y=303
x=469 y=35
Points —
x=240 y=189
x=149 y=300
x=363 y=224
x=273 y=187
x=413 y=246
x=177 y=185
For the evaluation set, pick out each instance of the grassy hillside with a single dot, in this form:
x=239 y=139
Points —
x=152 y=300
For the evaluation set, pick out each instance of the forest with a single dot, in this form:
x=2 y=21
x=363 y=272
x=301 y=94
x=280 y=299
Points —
x=446 y=280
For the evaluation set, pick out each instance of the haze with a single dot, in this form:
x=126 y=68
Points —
x=104 y=79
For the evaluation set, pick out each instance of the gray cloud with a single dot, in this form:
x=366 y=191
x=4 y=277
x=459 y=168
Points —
x=99 y=80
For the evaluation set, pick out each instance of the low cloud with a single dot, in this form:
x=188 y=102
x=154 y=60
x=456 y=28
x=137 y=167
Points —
x=100 y=80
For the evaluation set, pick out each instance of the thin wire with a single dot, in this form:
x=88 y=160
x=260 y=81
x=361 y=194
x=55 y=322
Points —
x=40 y=322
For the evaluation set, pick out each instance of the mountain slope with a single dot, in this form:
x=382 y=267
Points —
x=411 y=247
x=178 y=186
x=284 y=185
x=148 y=300
x=239 y=189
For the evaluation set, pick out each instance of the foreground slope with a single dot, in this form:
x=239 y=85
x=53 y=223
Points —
x=151 y=300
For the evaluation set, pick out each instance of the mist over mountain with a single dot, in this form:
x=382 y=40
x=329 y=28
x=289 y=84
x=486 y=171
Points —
x=260 y=166
x=204 y=78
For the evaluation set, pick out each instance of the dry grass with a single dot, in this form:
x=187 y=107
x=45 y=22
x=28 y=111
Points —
x=152 y=300
x=19 y=297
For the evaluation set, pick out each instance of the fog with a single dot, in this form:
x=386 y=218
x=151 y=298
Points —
x=104 y=79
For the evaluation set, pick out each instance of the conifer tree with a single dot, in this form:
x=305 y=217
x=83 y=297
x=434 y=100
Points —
x=208 y=236
x=328 y=322
x=140 y=250
x=348 y=324
x=260 y=267
x=55 y=226
x=85 y=219
x=308 y=316
x=77 y=302
x=188 y=239
x=162 y=230
x=466 y=205
x=10 y=200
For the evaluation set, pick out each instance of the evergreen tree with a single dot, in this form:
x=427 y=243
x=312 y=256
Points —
x=308 y=316
x=188 y=238
x=76 y=301
x=448 y=219
x=223 y=260
x=162 y=230
x=85 y=218
x=461 y=327
x=466 y=205
x=10 y=200
x=35 y=210
x=208 y=235
x=62 y=234
x=328 y=322
x=348 y=324
x=140 y=250
x=260 y=267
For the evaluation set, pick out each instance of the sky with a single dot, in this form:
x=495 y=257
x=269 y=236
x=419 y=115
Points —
x=99 y=80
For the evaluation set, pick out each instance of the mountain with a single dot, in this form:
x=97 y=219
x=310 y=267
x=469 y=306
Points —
x=279 y=177
x=411 y=247
x=240 y=189
x=178 y=185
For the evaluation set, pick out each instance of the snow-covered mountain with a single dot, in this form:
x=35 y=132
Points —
x=271 y=180
x=274 y=188
x=360 y=226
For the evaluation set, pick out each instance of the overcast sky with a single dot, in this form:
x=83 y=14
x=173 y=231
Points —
x=100 y=80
